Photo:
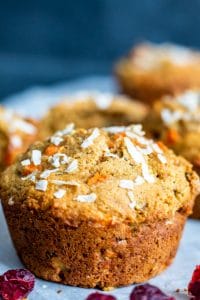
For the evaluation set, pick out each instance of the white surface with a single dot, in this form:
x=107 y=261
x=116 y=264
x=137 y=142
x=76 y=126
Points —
x=34 y=101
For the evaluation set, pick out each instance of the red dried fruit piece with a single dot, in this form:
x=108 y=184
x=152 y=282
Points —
x=148 y=292
x=100 y=296
x=16 y=284
x=194 y=284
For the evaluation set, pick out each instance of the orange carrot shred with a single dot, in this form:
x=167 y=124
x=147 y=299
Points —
x=118 y=135
x=30 y=168
x=161 y=145
x=172 y=136
x=51 y=150
x=97 y=177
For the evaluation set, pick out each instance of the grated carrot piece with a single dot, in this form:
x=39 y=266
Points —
x=172 y=136
x=161 y=145
x=31 y=168
x=118 y=135
x=51 y=150
x=97 y=177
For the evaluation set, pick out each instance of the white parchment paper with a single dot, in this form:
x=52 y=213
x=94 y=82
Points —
x=33 y=102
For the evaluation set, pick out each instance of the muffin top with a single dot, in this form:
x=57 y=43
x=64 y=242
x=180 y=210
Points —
x=149 y=56
x=176 y=121
x=15 y=134
x=103 y=175
x=92 y=109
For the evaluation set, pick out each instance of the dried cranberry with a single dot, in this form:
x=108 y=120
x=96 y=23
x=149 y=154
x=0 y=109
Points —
x=194 y=284
x=100 y=296
x=16 y=284
x=148 y=292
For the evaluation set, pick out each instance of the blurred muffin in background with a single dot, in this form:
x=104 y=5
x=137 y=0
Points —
x=151 y=71
x=176 y=122
x=92 y=109
x=16 y=134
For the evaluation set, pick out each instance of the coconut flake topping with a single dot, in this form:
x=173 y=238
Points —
x=25 y=162
x=11 y=201
x=86 y=198
x=73 y=166
x=90 y=139
x=36 y=157
x=60 y=193
x=65 y=182
x=45 y=174
x=56 y=140
x=126 y=184
x=41 y=185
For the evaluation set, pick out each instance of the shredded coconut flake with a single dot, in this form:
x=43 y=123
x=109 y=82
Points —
x=41 y=185
x=126 y=184
x=131 y=196
x=133 y=151
x=30 y=177
x=115 y=129
x=89 y=141
x=139 y=158
x=56 y=140
x=162 y=158
x=86 y=198
x=133 y=203
x=67 y=130
x=45 y=174
x=139 y=180
x=65 y=182
x=156 y=148
x=36 y=157
x=25 y=162
x=57 y=159
x=60 y=193
x=11 y=201
x=170 y=117
x=73 y=166
x=109 y=154
x=145 y=172
x=190 y=100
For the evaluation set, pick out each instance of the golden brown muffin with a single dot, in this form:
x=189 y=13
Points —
x=176 y=122
x=16 y=134
x=151 y=71
x=98 y=207
x=92 y=109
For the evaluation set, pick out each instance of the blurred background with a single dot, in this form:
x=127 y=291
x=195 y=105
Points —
x=44 y=42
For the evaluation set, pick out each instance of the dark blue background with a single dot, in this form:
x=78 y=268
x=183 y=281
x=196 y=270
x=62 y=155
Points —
x=47 y=41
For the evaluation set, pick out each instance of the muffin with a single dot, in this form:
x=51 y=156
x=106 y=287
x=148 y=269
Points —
x=176 y=122
x=92 y=109
x=16 y=134
x=151 y=71
x=98 y=207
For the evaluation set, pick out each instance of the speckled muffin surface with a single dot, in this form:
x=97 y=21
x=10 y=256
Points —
x=176 y=122
x=16 y=134
x=151 y=71
x=98 y=207
x=92 y=109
